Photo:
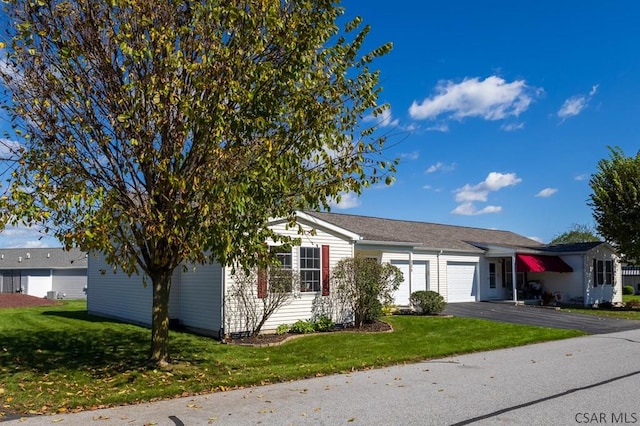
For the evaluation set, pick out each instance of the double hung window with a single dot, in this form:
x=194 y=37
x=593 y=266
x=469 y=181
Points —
x=309 y=269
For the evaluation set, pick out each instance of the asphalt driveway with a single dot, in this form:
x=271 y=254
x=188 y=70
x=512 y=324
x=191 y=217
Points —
x=541 y=316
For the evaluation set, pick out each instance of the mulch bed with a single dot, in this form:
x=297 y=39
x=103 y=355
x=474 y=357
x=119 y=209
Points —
x=17 y=300
x=277 y=339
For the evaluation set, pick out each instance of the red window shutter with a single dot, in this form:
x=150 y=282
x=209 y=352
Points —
x=262 y=283
x=325 y=270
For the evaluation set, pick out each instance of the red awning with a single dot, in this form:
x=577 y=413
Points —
x=540 y=263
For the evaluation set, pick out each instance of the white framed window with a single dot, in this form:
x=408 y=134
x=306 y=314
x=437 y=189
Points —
x=284 y=257
x=603 y=272
x=492 y=275
x=507 y=273
x=309 y=269
x=280 y=275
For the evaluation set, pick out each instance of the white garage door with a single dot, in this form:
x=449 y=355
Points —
x=418 y=280
x=38 y=283
x=461 y=282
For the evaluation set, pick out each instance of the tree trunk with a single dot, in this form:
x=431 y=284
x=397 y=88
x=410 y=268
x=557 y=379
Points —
x=160 y=319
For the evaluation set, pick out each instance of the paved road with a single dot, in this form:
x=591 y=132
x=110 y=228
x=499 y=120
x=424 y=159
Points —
x=542 y=316
x=567 y=382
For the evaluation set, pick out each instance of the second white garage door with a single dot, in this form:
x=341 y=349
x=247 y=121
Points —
x=419 y=280
x=461 y=282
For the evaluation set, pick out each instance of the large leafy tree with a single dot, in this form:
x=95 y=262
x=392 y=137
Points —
x=615 y=200
x=165 y=132
x=578 y=233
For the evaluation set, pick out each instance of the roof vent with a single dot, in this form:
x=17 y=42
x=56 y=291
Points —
x=19 y=258
x=28 y=255
x=48 y=255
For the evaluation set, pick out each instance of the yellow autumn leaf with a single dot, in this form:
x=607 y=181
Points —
x=2 y=45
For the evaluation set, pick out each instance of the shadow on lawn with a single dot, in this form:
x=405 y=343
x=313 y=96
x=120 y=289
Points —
x=110 y=347
x=47 y=351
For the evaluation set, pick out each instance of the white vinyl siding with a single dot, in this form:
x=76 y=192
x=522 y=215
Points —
x=302 y=306
x=201 y=298
x=117 y=295
x=70 y=282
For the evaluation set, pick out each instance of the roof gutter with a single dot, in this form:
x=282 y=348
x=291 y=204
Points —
x=387 y=243
x=415 y=245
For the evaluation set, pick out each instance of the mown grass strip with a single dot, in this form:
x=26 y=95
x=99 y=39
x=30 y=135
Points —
x=57 y=359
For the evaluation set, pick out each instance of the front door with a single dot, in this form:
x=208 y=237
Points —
x=493 y=287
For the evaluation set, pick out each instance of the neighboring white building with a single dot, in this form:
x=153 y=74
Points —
x=461 y=263
x=631 y=276
x=40 y=271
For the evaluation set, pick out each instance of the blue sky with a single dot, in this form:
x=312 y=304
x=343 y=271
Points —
x=500 y=110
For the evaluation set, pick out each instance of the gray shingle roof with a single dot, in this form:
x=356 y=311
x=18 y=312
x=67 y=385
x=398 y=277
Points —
x=42 y=258
x=428 y=235
x=571 y=247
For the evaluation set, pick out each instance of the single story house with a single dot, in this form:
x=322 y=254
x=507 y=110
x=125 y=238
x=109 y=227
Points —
x=631 y=276
x=44 y=272
x=463 y=264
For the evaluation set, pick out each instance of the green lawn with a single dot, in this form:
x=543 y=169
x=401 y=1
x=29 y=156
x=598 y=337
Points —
x=62 y=359
x=614 y=312
x=626 y=298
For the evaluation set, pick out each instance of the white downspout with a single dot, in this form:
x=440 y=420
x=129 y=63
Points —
x=223 y=297
x=410 y=273
x=514 y=276
x=438 y=269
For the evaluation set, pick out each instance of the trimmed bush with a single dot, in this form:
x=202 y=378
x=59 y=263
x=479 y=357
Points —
x=302 y=327
x=365 y=286
x=282 y=329
x=627 y=290
x=324 y=323
x=429 y=302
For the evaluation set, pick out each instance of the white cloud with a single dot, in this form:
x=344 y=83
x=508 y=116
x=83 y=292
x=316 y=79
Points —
x=431 y=188
x=581 y=177
x=491 y=99
x=442 y=128
x=512 y=127
x=573 y=106
x=384 y=119
x=410 y=155
x=547 y=192
x=440 y=167
x=469 y=209
x=468 y=194
x=26 y=237
x=9 y=149
x=411 y=128
x=494 y=182
x=347 y=201
x=576 y=104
